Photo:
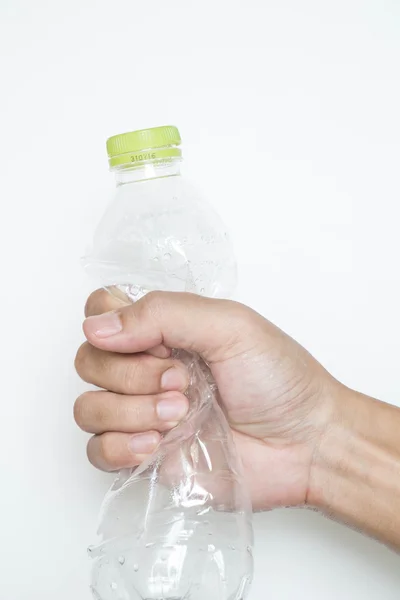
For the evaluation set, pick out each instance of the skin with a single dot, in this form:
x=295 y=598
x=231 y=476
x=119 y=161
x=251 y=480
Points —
x=304 y=438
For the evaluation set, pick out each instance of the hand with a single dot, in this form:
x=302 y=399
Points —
x=278 y=398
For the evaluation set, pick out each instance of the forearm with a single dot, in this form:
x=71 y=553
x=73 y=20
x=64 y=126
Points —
x=356 y=472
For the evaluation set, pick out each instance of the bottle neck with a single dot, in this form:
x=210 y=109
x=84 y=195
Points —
x=151 y=170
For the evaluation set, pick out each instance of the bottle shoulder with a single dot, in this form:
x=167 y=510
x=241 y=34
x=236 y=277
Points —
x=158 y=190
x=165 y=227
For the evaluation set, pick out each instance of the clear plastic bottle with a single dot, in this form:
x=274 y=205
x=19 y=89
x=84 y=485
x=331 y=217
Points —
x=179 y=526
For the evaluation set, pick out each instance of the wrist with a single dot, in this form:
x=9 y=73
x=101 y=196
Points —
x=355 y=476
x=331 y=454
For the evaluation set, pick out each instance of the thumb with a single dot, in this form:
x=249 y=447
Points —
x=179 y=320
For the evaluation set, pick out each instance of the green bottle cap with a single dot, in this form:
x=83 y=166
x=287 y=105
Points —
x=143 y=146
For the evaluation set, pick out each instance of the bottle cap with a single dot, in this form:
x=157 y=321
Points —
x=144 y=146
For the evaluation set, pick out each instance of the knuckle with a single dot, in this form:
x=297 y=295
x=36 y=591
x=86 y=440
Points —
x=81 y=359
x=136 y=415
x=99 y=302
x=132 y=375
x=92 y=302
x=233 y=327
x=82 y=410
x=104 y=413
x=129 y=315
x=109 y=451
x=234 y=308
x=153 y=303
x=237 y=314
x=93 y=453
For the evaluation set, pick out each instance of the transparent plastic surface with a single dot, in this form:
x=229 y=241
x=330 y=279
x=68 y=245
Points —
x=179 y=526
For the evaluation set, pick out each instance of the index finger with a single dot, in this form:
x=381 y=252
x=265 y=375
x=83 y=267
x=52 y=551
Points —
x=109 y=299
x=105 y=300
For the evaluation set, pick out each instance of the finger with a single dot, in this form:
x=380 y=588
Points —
x=104 y=300
x=129 y=374
x=98 y=412
x=109 y=299
x=115 y=451
x=160 y=351
x=211 y=327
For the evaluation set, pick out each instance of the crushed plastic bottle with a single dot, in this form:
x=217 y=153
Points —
x=179 y=526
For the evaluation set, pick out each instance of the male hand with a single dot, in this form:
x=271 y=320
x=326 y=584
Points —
x=278 y=398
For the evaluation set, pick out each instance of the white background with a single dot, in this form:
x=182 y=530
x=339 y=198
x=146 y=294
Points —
x=290 y=114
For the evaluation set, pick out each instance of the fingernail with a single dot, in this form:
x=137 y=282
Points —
x=143 y=443
x=173 y=379
x=104 y=326
x=172 y=409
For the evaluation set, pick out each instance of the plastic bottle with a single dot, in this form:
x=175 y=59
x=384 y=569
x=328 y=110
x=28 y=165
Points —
x=179 y=526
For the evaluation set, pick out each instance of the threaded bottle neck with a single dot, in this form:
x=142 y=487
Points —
x=152 y=169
